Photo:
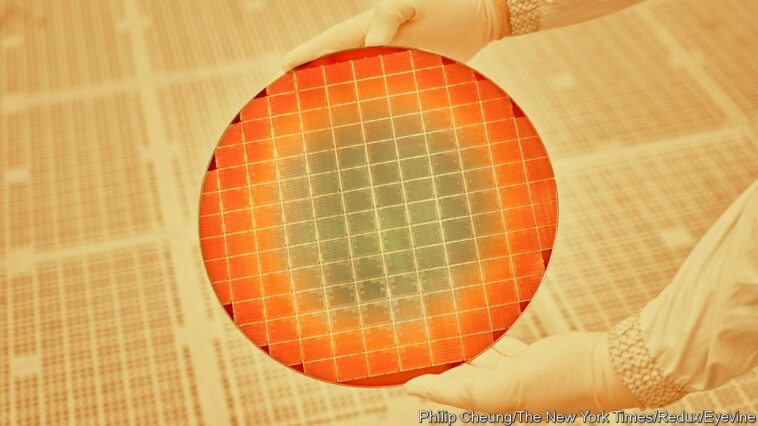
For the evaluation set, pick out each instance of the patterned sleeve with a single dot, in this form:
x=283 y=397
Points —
x=637 y=368
x=527 y=16
x=524 y=16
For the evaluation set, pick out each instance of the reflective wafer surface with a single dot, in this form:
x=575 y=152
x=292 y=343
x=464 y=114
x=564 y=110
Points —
x=376 y=215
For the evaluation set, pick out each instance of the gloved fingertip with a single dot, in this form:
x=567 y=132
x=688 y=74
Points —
x=301 y=55
x=423 y=386
x=288 y=62
x=378 y=36
x=509 y=346
x=415 y=387
x=372 y=42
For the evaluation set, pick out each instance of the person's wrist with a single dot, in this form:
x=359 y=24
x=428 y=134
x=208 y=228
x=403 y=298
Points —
x=610 y=391
x=498 y=18
x=502 y=18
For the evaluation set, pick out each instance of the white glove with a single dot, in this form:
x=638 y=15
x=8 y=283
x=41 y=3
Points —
x=699 y=333
x=567 y=372
x=453 y=28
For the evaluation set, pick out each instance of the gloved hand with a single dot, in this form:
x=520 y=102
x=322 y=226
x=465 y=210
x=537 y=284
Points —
x=567 y=372
x=698 y=333
x=453 y=28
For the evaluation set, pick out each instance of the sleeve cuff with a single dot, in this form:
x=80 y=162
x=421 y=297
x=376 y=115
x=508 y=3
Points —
x=637 y=369
x=524 y=15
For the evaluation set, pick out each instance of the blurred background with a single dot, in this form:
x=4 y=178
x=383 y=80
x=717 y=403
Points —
x=109 y=113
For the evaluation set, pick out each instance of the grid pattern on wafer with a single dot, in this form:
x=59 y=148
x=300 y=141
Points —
x=377 y=215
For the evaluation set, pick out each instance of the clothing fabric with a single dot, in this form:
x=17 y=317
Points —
x=533 y=15
x=702 y=329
